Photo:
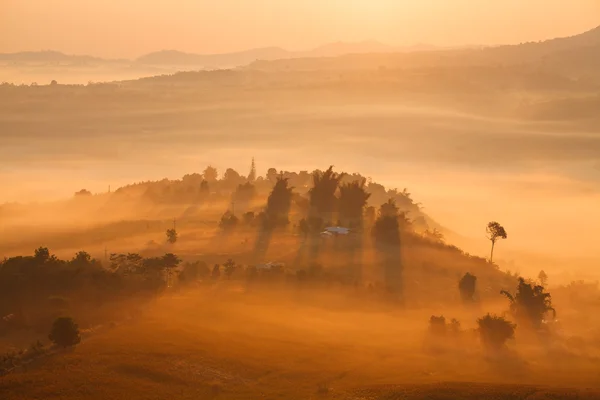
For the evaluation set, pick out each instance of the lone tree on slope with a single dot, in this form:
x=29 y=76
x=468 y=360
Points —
x=495 y=231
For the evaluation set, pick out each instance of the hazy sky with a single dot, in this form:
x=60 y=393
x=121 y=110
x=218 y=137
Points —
x=127 y=28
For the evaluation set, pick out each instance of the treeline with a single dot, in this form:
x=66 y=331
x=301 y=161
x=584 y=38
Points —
x=36 y=289
x=210 y=186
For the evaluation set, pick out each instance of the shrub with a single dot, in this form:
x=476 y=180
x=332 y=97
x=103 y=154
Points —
x=437 y=325
x=65 y=332
x=494 y=331
x=466 y=286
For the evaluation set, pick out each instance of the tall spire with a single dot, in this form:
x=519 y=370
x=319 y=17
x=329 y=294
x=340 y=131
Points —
x=252 y=174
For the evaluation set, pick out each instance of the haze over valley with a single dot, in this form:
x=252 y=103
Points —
x=281 y=223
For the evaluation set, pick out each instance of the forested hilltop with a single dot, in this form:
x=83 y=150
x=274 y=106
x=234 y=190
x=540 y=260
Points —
x=381 y=239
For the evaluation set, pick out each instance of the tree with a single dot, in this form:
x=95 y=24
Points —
x=171 y=235
x=210 y=174
x=279 y=203
x=42 y=254
x=466 y=286
x=494 y=331
x=543 y=278
x=434 y=235
x=437 y=325
x=229 y=268
x=170 y=262
x=228 y=221
x=353 y=200
x=231 y=178
x=495 y=231
x=82 y=259
x=252 y=174
x=83 y=193
x=386 y=229
x=272 y=175
x=65 y=332
x=322 y=194
x=530 y=304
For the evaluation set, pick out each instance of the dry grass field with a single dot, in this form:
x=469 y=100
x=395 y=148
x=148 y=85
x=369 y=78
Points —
x=222 y=342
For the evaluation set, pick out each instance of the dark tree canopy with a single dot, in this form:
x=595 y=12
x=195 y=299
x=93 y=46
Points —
x=387 y=229
x=65 y=332
x=530 y=304
x=353 y=200
x=171 y=235
x=466 y=286
x=495 y=331
x=279 y=203
x=210 y=174
x=494 y=232
x=322 y=194
x=83 y=193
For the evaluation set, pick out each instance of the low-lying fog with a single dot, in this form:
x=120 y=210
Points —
x=540 y=180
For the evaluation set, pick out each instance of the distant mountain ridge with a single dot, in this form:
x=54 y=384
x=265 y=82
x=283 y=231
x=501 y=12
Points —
x=218 y=60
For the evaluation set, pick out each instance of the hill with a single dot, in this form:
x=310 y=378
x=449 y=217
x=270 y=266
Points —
x=575 y=56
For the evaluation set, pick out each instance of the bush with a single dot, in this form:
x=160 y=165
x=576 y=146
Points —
x=437 y=325
x=65 y=332
x=494 y=331
x=466 y=286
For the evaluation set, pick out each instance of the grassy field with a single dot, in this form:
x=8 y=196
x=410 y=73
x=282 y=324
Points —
x=223 y=342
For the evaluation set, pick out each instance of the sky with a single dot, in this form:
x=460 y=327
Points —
x=130 y=28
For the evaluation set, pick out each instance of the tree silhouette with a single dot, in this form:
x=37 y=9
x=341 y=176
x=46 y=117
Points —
x=495 y=231
x=171 y=235
x=272 y=175
x=252 y=174
x=229 y=266
x=82 y=259
x=530 y=304
x=494 y=331
x=466 y=286
x=83 y=193
x=434 y=235
x=386 y=229
x=437 y=325
x=228 y=221
x=543 y=278
x=65 y=332
x=231 y=178
x=353 y=199
x=42 y=254
x=279 y=203
x=322 y=194
x=170 y=262
x=210 y=174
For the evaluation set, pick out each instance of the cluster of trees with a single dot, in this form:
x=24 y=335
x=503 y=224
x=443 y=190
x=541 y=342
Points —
x=36 y=288
x=331 y=196
x=529 y=307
